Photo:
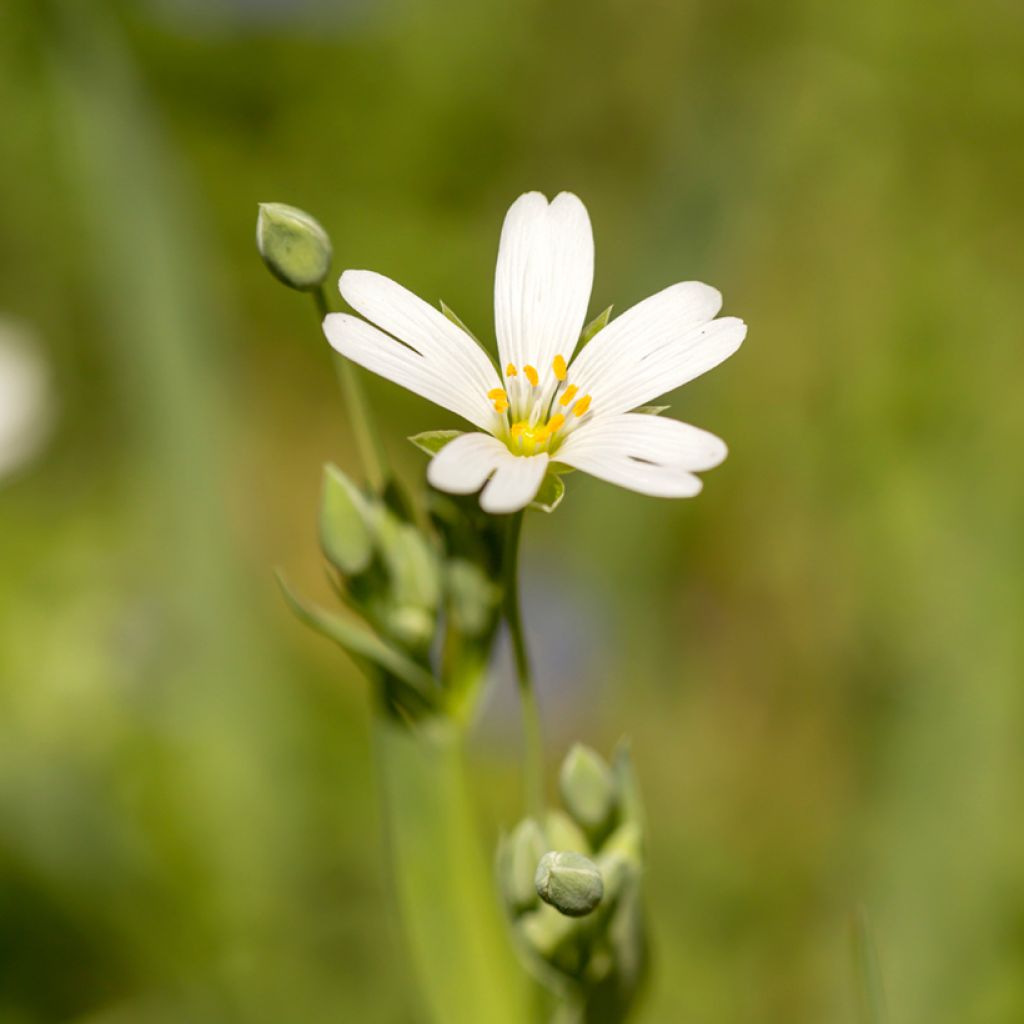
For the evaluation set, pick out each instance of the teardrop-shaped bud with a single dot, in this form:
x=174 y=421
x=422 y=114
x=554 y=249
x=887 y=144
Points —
x=295 y=248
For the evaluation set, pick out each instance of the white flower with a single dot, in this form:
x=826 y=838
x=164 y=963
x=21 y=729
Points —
x=546 y=406
x=26 y=406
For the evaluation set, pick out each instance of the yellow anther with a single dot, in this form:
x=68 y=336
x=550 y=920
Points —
x=582 y=405
x=559 y=367
x=568 y=395
x=556 y=422
x=500 y=405
x=516 y=430
x=511 y=371
x=497 y=393
x=531 y=375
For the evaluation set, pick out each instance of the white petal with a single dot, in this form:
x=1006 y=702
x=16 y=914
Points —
x=644 y=453
x=658 y=345
x=543 y=279
x=378 y=352
x=462 y=466
x=422 y=327
x=515 y=483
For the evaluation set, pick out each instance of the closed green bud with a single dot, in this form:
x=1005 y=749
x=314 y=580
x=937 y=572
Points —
x=564 y=834
x=344 y=529
x=588 y=789
x=295 y=248
x=521 y=855
x=569 y=882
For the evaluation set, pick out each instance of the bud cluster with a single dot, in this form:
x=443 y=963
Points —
x=425 y=592
x=571 y=885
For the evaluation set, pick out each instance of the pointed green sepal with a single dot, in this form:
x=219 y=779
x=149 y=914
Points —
x=358 y=641
x=550 y=494
x=454 y=317
x=652 y=410
x=344 y=523
x=598 y=323
x=432 y=441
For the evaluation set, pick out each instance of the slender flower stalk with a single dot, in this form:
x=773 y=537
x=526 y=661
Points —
x=371 y=451
x=533 y=763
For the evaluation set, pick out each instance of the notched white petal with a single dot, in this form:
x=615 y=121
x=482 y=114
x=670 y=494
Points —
x=656 y=346
x=380 y=353
x=543 y=279
x=515 y=483
x=463 y=465
x=648 y=454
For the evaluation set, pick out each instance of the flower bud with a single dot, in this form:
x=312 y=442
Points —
x=295 y=248
x=520 y=856
x=588 y=789
x=344 y=530
x=569 y=882
x=564 y=834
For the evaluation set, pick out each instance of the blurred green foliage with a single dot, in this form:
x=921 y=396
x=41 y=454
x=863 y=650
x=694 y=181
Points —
x=820 y=660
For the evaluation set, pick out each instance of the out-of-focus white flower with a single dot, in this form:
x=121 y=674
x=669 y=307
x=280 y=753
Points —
x=542 y=405
x=26 y=400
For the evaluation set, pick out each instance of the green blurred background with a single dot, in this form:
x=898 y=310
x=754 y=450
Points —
x=820 y=660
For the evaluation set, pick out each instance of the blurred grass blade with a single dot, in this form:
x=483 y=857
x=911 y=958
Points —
x=869 y=976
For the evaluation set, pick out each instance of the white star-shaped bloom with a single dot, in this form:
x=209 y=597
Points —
x=542 y=406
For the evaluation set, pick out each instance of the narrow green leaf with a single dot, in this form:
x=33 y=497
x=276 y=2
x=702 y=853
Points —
x=344 y=527
x=598 y=323
x=454 y=317
x=652 y=410
x=359 y=642
x=432 y=441
x=550 y=495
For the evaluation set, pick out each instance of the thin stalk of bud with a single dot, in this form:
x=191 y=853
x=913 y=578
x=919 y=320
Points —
x=371 y=452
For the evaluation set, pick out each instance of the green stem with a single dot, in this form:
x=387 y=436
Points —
x=533 y=770
x=371 y=453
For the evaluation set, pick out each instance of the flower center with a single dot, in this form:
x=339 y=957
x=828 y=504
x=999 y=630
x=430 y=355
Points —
x=540 y=411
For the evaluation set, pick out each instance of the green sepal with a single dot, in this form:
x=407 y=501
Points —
x=652 y=410
x=367 y=649
x=598 y=323
x=344 y=523
x=550 y=494
x=432 y=441
x=454 y=317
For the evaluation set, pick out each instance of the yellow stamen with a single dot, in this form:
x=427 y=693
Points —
x=497 y=393
x=517 y=429
x=556 y=422
x=511 y=371
x=559 y=367
x=500 y=405
x=531 y=375
x=582 y=405
x=568 y=395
